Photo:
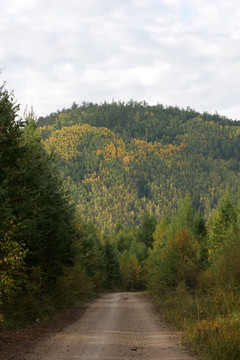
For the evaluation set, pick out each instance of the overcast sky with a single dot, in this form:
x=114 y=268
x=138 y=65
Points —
x=173 y=52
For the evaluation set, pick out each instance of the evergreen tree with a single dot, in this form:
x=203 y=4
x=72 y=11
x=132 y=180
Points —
x=111 y=261
x=49 y=222
x=223 y=218
x=11 y=188
x=147 y=228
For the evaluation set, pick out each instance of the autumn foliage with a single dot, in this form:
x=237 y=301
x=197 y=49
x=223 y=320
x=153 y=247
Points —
x=193 y=273
x=122 y=196
x=122 y=159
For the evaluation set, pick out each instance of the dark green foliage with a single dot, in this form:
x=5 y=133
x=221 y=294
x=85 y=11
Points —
x=11 y=160
x=49 y=223
x=147 y=228
x=133 y=119
x=165 y=153
x=92 y=250
x=12 y=198
x=37 y=227
x=111 y=261
x=199 y=225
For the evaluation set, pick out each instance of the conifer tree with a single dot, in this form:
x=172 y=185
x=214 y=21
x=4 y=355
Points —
x=147 y=229
x=11 y=188
x=111 y=260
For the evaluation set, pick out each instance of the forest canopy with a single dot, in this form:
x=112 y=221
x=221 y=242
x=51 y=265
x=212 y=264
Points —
x=121 y=159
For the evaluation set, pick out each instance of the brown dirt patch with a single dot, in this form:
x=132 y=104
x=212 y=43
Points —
x=18 y=344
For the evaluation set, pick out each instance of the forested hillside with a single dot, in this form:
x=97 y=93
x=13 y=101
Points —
x=161 y=184
x=121 y=159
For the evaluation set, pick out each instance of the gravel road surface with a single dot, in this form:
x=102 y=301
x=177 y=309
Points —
x=115 y=326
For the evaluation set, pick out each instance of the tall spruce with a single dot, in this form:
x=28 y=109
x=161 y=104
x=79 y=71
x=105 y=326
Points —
x=12 y=154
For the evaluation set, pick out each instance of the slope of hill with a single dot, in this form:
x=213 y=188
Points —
x=123 y=159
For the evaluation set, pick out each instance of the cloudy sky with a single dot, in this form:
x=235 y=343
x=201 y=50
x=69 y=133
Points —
x=173 y=52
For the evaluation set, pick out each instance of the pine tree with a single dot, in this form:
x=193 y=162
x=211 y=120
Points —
x=11 y=188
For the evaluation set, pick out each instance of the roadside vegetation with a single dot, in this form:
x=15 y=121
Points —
x=193 y=274
x=49 y=258
x=64 y=237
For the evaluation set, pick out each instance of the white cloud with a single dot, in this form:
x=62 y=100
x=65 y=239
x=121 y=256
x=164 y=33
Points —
x=183 y=53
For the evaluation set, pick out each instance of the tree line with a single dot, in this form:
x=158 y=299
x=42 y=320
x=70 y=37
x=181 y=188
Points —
x=193 y=271
x=49 y=256
x=121 y=159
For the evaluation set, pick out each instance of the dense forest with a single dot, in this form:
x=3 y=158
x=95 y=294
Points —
x=49 y=258
x=121 y=159
x=122 y=196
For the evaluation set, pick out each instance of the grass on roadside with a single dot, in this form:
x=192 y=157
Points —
x=210 y=323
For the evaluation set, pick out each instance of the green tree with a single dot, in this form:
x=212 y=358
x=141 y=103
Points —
x=223 y=218
x=11 y=160
x=111 y=261
x=176 y=254
x=92 y=254
x=37 y=228
x=50 y=222
x=147 y=228
x=130 y=271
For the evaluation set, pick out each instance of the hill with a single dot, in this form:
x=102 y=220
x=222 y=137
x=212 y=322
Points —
x=122 y=159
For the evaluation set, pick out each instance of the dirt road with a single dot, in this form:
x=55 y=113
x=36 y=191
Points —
x=115 y=326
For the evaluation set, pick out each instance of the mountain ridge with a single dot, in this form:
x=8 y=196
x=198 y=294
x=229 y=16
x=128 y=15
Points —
x=124 y=159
